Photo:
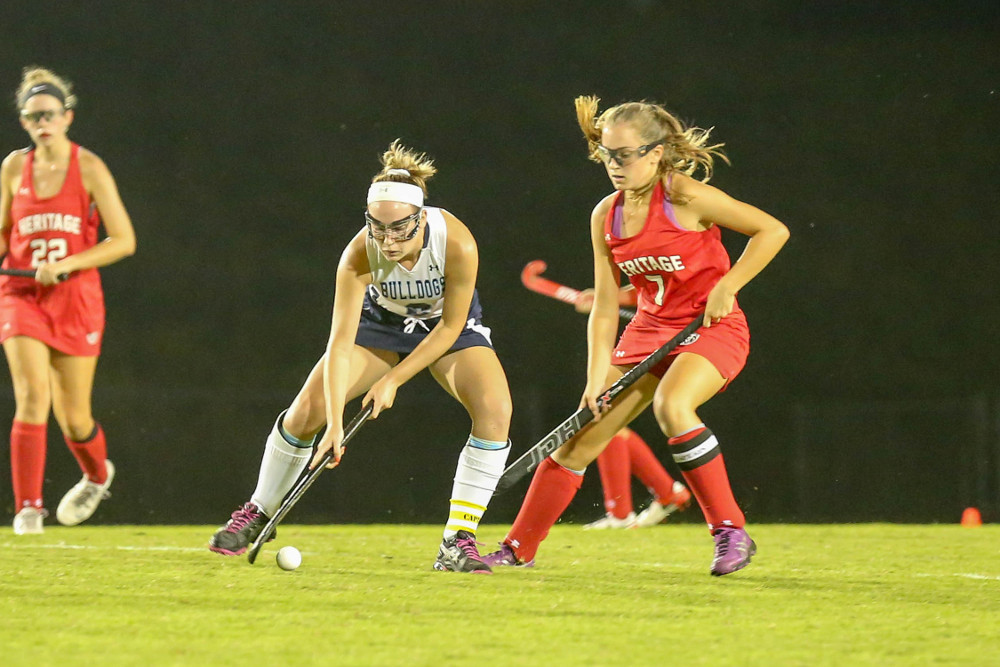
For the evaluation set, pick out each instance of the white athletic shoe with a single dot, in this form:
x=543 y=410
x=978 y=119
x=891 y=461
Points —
x=656 y=512
x=80 y=502
x=29 y=521
x=611 y=521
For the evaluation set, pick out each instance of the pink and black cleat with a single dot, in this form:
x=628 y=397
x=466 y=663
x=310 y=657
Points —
x=240 y=531
x=460 y=553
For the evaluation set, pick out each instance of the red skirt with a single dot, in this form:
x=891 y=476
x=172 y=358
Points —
x=68 y=317
x=725 y=344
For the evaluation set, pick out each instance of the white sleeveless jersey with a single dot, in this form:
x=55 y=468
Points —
x=419 y=292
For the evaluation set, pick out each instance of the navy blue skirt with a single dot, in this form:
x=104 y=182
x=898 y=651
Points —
x=385 y=330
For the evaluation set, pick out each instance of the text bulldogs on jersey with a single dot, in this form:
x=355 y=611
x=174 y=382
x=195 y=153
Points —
x=648 y=264
x=412 y=289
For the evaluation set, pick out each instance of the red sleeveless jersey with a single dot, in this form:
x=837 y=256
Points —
x=672 y=269
x=52 y=228
x=68 y=316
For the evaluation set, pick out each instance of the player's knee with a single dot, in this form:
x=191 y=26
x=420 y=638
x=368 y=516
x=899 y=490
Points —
x=497 y=409
x=79 y=429
x=33 y=398
x=672 y=412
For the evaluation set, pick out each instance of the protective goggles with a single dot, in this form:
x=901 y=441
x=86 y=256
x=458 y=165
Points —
x=37 y=116
x=624 y=156
x=399 y=230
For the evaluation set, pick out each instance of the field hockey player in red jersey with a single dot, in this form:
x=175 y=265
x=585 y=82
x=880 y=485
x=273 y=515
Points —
x=405 y=300
x=53 y=197
x=661 y=229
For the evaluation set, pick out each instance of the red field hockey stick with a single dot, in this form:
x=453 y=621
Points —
x=531 y=277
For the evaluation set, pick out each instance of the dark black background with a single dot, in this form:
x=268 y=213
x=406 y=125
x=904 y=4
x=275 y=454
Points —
x=243 y=136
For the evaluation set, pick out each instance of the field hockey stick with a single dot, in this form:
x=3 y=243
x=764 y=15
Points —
x=531 y=277
x=583 y=416
x=27 y=273
x=304 y=483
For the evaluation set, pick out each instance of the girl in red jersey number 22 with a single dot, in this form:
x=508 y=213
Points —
x=661 y=229
x=53 y=197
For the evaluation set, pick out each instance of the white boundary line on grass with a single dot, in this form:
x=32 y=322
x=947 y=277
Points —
x=120 y=547
x=964 y=575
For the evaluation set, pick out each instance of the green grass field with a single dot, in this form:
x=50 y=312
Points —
x=366 y=595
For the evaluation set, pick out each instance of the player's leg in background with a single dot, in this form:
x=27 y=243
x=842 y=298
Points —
x=615 y=468
x=558 y=478
x=669 y=495
x=689 y=382
x=72 y=385
x=28 y=360
x=476 y=379
x=288 y=447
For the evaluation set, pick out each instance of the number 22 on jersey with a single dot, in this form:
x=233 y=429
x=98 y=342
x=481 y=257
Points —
x=47 y=250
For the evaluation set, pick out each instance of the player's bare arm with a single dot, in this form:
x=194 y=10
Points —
x=10 y=166
x=602 y=326
x=353 y=276
x=120 y=240
x=767 y=235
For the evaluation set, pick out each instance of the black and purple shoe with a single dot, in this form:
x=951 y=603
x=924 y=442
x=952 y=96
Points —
x=240 y=531
x=460 y=553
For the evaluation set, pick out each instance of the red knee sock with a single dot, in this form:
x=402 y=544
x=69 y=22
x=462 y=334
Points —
x=700 y=460
x=27 y=463
x=91 y=455
x=616 y=475
x=649 y=470
x=552 y=488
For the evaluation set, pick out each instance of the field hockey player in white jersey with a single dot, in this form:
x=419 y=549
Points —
x=405 y=300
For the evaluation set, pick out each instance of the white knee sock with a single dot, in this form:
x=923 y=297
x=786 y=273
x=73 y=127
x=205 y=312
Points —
x=282 y=464
x=479 y=468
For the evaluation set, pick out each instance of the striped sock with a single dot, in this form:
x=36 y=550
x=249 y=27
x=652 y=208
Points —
x=697 y=454
x=91 y=454
x=285 y=457
x=479 y=468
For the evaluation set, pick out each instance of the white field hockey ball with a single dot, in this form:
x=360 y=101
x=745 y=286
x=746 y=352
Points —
x=289 y=558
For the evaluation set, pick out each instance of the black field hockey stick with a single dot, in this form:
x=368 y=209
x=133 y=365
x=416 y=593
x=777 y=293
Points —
x=304 y=483
x=27 y=273
x=583 y=416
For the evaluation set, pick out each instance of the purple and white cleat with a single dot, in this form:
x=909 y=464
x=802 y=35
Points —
x=733 y=549
x=505 y=557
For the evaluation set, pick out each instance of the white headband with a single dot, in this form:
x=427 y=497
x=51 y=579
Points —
x=405 y=193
